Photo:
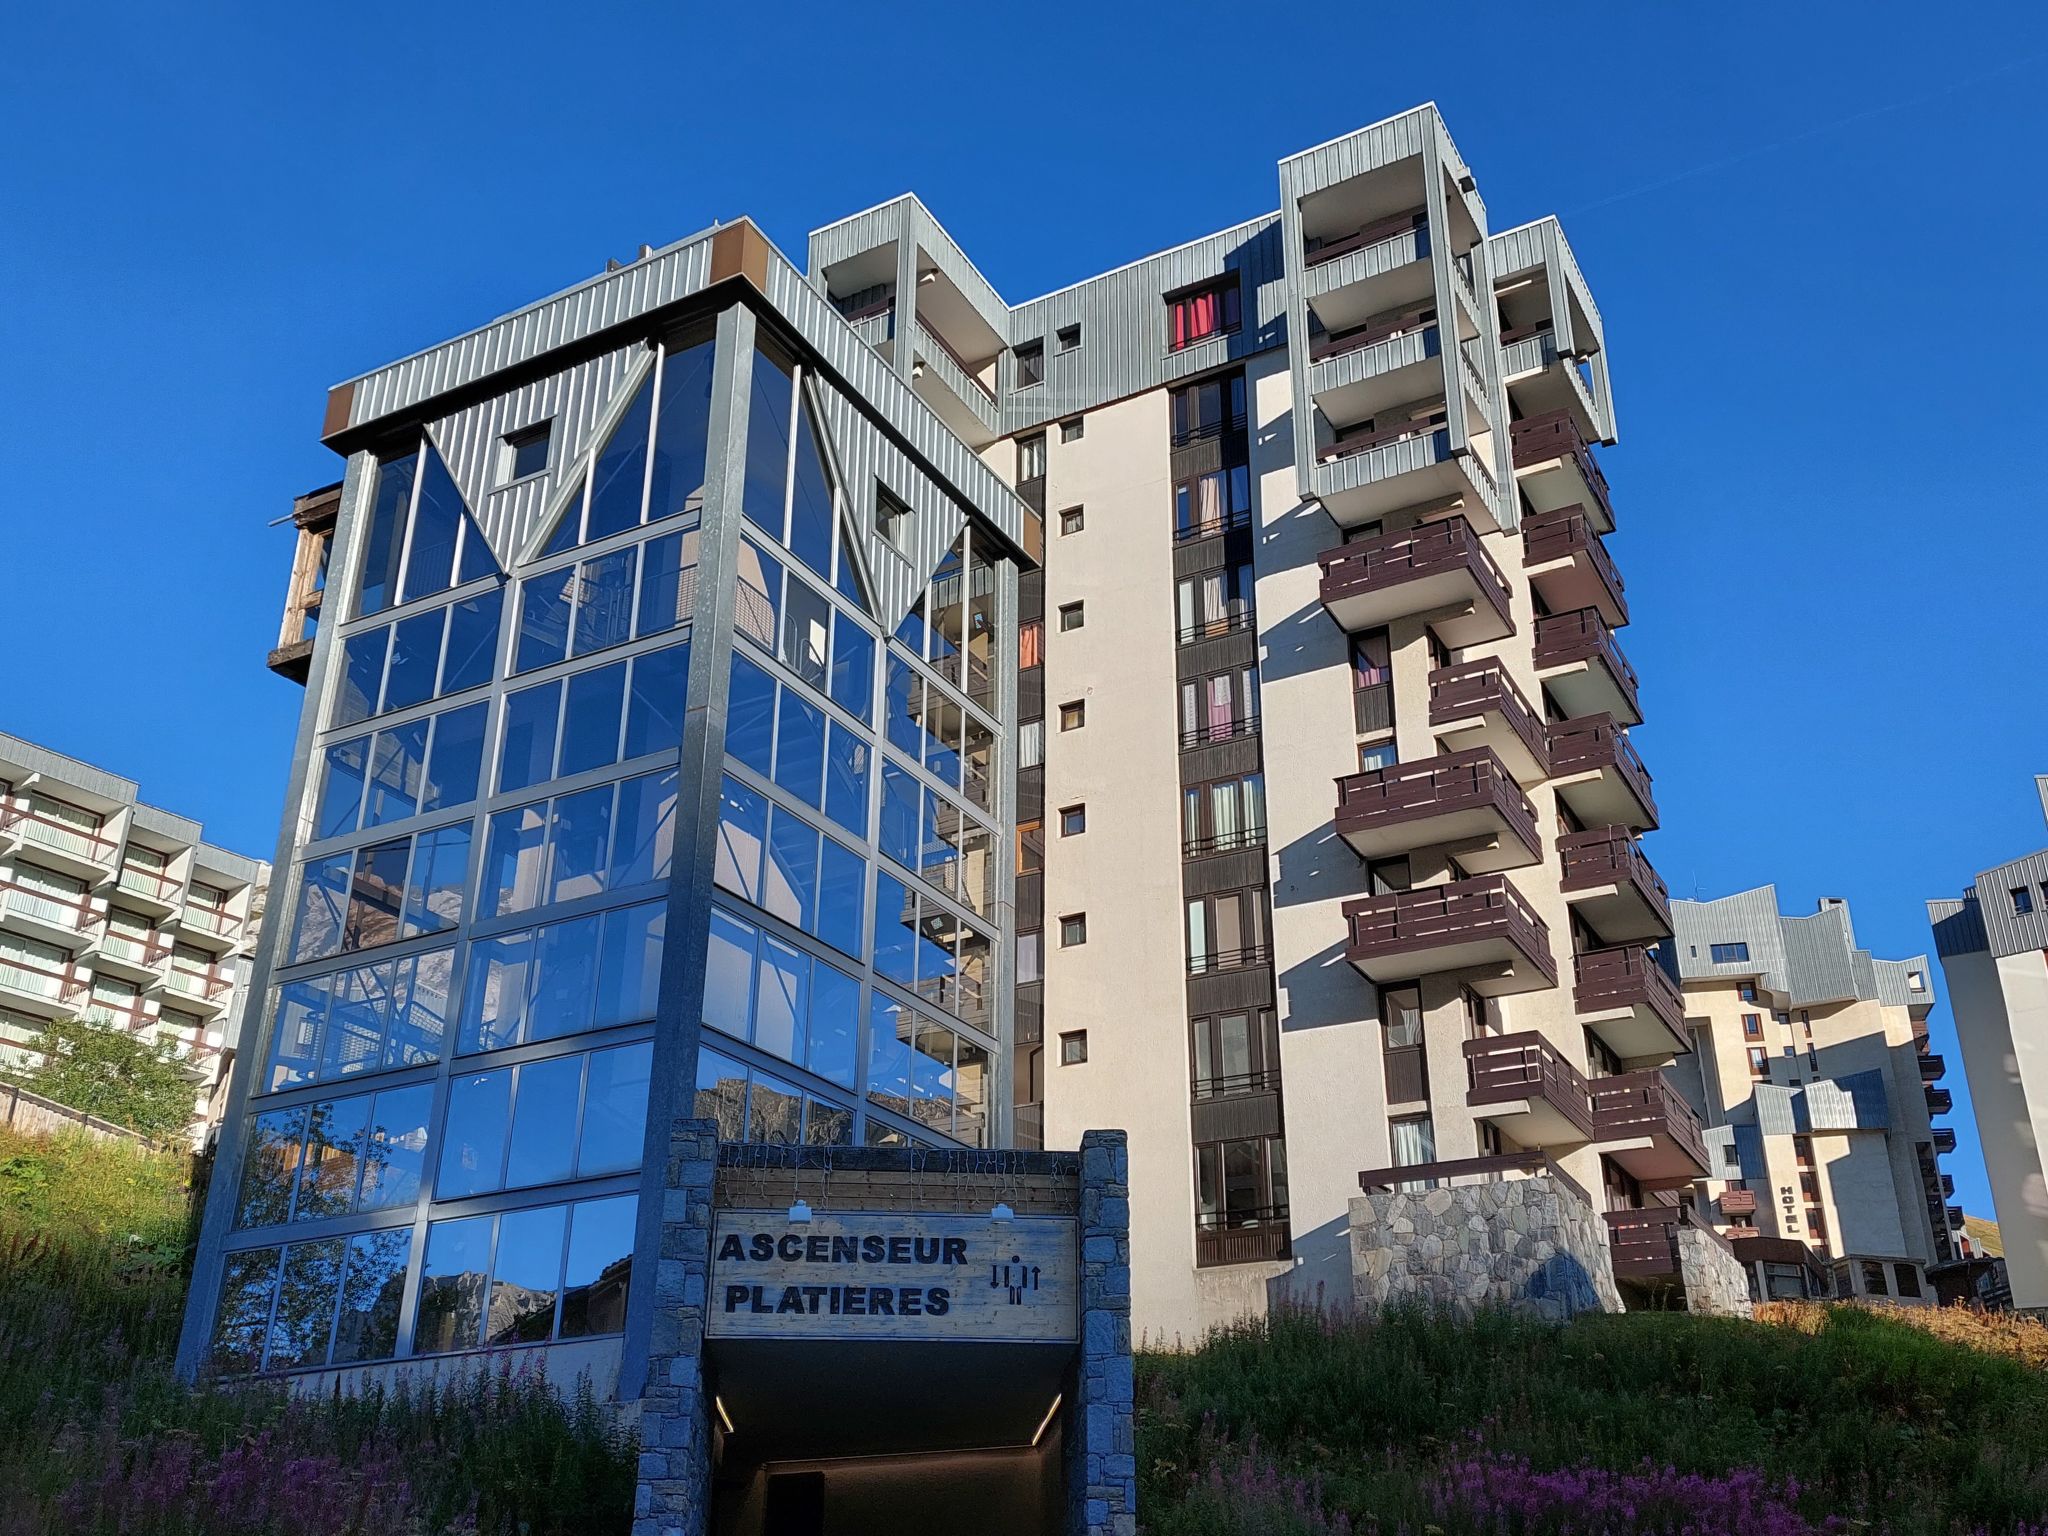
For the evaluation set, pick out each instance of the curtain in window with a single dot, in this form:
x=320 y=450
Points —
x=1221 y=713
x=1223 y=814
x=1029 y=637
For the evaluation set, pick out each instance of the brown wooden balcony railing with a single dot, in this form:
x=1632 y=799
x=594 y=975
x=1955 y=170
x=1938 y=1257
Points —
x=1567 y=533
x=1944 y=1140
x=1485 y=1170
x=1644 y=1243
x=1391 y=559
x=1582 y=635
x=1594 y=742
x=1458 y=912
x=1436 y=786
x=1635 y=1104
x=1738 y=1202
x=1612 y=856
x=1628 y=977
x=1939 y=1100
x=1501 y=1069
x=1555 y=435
x=1483 y=687
x=1242 y=1237
x=1932 y=1066
x=1379 y=328
x=1392 y=227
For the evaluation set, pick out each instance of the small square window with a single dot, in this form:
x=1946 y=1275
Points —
x=526 y=451
x=1069 y=337
x=2022 y=901
x=1030 y=364
x=1073 y=930
x=1073 y=1047
x=1073 y=716
x=1747 y=991
x=1752 y=1026
x=1073 y=615
x=1731 y=1158
x=892 y=518
x=1070 y=431
x=1073 y=821
x=1071 y=521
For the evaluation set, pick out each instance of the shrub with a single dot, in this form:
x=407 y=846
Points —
x=104 y=1070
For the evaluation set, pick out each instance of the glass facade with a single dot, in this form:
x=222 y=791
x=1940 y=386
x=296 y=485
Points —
x=443 y=1142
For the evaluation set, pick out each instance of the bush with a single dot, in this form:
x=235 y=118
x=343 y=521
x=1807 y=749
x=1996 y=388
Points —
x=104 y=1070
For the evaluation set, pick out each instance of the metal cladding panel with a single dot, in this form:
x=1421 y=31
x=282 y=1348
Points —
x=235 y=866
x=577 y=401
x=1542 y=244
x=1852 y=1103
x=1958 y=927
x=1367 y=149
x=1122 y=316
x=610 y=299
x=2007 y=932
x=1818 y=958
x=960 y=270
x=867 y=230
x=1864 y=969
x=1775 y=1113
x=940 y=361
x=1747 y=917
x=1749 y=1148
x=1894 y=986
x=151 y=818
x=25 y=757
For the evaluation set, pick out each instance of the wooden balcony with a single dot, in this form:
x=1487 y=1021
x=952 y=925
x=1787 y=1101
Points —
x=1258 y=1238
x=1944 y=1140
x=1939 y=1100
x=1599 y=775
x=1554 y=467
x=1441 y=569
x=1738 y=1202
x=1648 y=1130
x=1466 y=801
x=1568 y=565
x=1583 y=669
x=1624 y=997
x=1480 y=927
x=1611 y=885
x=1524 y=1085
x=1477 y=704
x=1644 y=1243
x=1933 y=1066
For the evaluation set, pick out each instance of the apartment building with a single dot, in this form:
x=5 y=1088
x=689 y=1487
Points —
x=1993 y=943
x=1812 y=1072
x=115 y=910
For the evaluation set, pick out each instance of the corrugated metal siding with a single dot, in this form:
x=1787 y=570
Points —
x=1747 y=917
x=2007 y=932
x=1370 y=362
x=1818 y=958
x=31 y=758
x=884 y=224
x=1367 y=149
x=1894 y=989
x=1852 y=1103
x=1958 y=927
x=152 y=818
x=236 y=867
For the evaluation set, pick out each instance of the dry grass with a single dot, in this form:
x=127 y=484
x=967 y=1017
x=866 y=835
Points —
x=2016 y=1338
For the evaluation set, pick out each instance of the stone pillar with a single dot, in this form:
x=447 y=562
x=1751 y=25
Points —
x=674 y=1496
x=1099 y=1445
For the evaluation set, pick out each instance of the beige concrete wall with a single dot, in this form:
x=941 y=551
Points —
x=2001 y=1012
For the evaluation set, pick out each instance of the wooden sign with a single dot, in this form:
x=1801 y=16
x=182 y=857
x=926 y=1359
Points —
x=894 y=1275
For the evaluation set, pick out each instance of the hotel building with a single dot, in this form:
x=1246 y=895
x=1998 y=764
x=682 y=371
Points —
x=120 y=912
x=1812 y=1072
x=1993 y=944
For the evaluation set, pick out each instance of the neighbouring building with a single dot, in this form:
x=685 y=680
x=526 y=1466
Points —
x=1993 y=944
x=1812 y=1072
x=115 y=910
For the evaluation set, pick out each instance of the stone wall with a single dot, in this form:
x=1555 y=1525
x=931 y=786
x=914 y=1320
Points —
x=1533 y=1245
x=1099 y=1445
x=674 y=1495
x=1716 y=1282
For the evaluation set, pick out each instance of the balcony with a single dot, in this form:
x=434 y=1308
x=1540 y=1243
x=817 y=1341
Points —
x=47 y=990
x=1251 y=1237
x=1939 y=1100
x=1481 y=927
x=63 y=919
x=203 y=923
x=61 y=843
x=150 y=890
x=1648 y=1130
x=872 y=314
x=1542 y=380
x=1466 y=801
x=1644 y=1243
x=1477 y=704
x=1624 y=997
x=139 y=956
x=1360 y=270
x=1402 y=458
x=1391 y=357
x=1583 y=669
x=1611 y=885
x=124 y=1010
x=1944 y=1140
x=1932 y=1066
x=1440 y=569
x=1522 y=1084
x=961 y=392
x=1554 y=467
x=206 y=990
x=1598 y=775
x=1738 y=1202
x=1568 y=565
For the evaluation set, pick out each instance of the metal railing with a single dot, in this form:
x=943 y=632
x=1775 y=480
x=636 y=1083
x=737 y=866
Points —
x=1384 y=327
x=1236 y=729
x=1223 y=842
x=1209 y=629
x=1212 y=961
x=1209 y=527
x=1397 y=226
x=1228 y=1084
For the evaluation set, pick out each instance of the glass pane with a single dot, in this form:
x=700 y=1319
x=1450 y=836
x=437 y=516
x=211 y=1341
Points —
x=303 y=1325
x=526 y=1276
x=375 y=894
x=668 y=581
x=590 y=723
x=415 y=658
x=333 y=1160
x=722 y=1095
x=629 y=964
x=569 y=526
x=440 y=877
x=789 y=881
x=810 y=513
x=615 y=1110
x=514 y=857
x=394 y=1152
x=853 y=668
x=604 y=601
x=782 y=1000
x=834 y=1024
x=800 y=747
x=729 y=975
x=565 y=983
x=473 y=1136
x=341 y=788
x=750 y=716
x=419 y=1010
x=768 y=418
x=597 y=1277
x=758 y=600
x=774 y=1113
x=827 y=1125
x=680 y=429
x=323 y=893
x=889 y=1030
x=806 y=617
x=358 y=1010
x=579 y=840
x=938 y=858
x=842 y=887
x=846 y=780
x=457 y=757
x=472 y=641
x=494 y=1011
x=620 y=478
x=543 y=619
x=300 y=1019
x=742 y=832
x=398 y=761
x=661 y=693
x=436 y=524
x=545 y=1100
x=372 y=1286
x=385 y=541
x=270 y=1168
x=900 y=815
x=362 y=675
x=970 y=1093
x=527 y=756
x=248 y=1287
x=895 y=942
x=905 y=705
x=644 y=830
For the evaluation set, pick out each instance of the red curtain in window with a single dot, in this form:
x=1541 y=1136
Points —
x=1028 y=639
x=1194 y=317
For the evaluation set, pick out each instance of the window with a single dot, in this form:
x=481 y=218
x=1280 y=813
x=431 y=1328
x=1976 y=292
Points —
x=370 y=780
x=578 y=609
x=1073 y=821
x=1240 y=1184
x=526 y=1276
x=1211 y=310
x=1030 y=956
x=1752 y=1026
x=525 y=452
x=594 y=972
x=1071 y=521
x=278 y=1305
x=1226 y=814
x=1072 y=616
x=394 y=666
x=335 y=1157
x=2022 y=901
x=1030 y=847
x=1747 y=991
x=1374 y=756
x=1073 y=1047
x=1030 y=363
x=1068 y=337
x=1031 y=744
x=1874 y=1278
x=1073 y=930
x=780 y=999
x=1908 y=1278
x=377 y=894
x=1031 y=643
x=1226 y=932
x=1071 y=430
x=1073 y=715
x=1233 y=1052
x=892 y=518
x=1728 y=954
x=1759 y=1062
x=370 y=1018
x=924 y=1071
x=1219 y=708
x=420 y=538
x=1730 y=1157
x=544 y=1122
x=1213 y=603
x=1030 y=460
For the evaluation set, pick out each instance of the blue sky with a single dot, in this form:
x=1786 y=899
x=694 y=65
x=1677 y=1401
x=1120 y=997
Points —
x=1814 y=232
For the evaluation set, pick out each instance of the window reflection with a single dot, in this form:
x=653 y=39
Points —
x=526 y=1276
x=358 y=1020
x=563 y=978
